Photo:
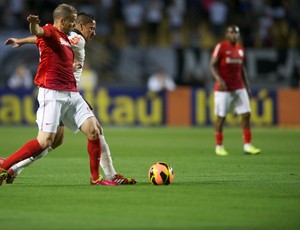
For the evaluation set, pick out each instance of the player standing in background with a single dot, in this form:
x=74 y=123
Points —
x=232 y=91
x=83 y=32
x=58 y=97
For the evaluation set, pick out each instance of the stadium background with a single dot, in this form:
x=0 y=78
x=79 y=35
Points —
x=124 y=57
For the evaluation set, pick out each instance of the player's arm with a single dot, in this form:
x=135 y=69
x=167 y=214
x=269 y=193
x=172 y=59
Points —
x=215 y=72
x=246 y=81
x=17 y=42
x=34 y=27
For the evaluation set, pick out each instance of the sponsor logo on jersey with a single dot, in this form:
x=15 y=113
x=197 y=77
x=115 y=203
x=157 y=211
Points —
x=64 y=42
x=233 y=60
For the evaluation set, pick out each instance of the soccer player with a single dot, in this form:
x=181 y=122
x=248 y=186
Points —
x=83 y=32
x=232 y=91
x=58 y=97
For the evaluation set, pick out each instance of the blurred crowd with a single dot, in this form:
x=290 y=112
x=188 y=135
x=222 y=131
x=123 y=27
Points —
x=178 y=23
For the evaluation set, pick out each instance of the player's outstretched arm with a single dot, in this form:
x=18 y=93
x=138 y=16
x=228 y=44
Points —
x=34 y=27
x=17 y=42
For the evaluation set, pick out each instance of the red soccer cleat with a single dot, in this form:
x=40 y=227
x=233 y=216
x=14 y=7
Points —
x=120 y=179
x=10 y=176
x=103 y=182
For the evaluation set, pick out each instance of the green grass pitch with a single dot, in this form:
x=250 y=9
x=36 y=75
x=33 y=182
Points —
x=208 y=191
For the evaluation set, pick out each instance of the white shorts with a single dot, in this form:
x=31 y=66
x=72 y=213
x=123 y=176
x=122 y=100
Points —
x=56 y=106
x=234 y=101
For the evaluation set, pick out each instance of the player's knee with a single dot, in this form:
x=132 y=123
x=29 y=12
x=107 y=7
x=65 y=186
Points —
x=246 y=116
x=91 y=129
x=220 y=120
x=45 y=143
x=45 y=139
x=93 y=133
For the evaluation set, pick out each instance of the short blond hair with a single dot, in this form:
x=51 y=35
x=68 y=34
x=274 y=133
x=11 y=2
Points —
x=63 y=11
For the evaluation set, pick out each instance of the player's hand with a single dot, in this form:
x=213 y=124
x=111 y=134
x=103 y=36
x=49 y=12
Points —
x=33 y=19
x=13 y=42
x=222 y=85
x=76 y=66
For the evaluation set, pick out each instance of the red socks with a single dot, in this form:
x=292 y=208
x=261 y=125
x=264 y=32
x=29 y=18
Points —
x=31 y=148
x=219 y=138
x=94 y=150
x=247 y=136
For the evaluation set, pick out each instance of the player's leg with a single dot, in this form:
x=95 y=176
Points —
x=59 y=137
x=16 y=169
x=220 y=149
x=30 y=149
x=94 y=148
x=48 y=117
x=247 y=136
x=243 y=109
x=85 y=120
x=53 y=108
x=221 y=107
x=90 y=129
x=106 y=162
x=219 y=130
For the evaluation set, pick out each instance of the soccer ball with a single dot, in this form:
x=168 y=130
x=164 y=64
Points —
x=161 y=173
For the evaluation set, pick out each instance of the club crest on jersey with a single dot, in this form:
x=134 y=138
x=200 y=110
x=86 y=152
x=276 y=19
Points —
x=64 y=42
x=75 y=39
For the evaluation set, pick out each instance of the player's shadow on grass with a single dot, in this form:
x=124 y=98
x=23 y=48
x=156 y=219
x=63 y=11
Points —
x=27 y=182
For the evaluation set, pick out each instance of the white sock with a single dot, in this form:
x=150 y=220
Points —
x=106 y=162
x=17 y=168
x=246 y=146
x=219 y=147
